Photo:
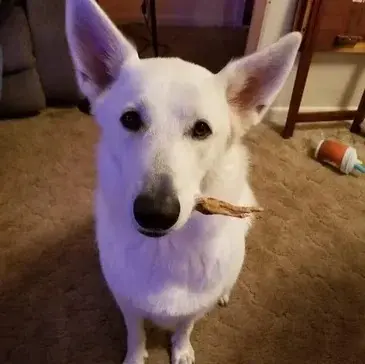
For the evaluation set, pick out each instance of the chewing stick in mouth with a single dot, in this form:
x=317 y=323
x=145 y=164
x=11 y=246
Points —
x=213 y=206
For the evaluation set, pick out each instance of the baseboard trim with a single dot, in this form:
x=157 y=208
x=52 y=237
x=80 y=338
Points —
x=278 y=114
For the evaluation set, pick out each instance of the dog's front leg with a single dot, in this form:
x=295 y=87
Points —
x=136 y=338
x=182 y=350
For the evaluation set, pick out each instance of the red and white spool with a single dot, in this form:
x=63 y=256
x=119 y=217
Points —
x=337 y=154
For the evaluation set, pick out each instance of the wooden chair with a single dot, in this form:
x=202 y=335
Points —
x=318 y=20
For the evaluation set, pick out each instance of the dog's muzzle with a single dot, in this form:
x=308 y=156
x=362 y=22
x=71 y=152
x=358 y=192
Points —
x=156 y=210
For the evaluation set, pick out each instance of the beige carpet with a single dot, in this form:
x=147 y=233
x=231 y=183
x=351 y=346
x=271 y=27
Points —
x=300 y=298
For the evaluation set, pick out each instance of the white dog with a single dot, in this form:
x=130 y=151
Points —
x=170 y=131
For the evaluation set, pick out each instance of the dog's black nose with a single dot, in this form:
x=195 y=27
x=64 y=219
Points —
x=156 y=211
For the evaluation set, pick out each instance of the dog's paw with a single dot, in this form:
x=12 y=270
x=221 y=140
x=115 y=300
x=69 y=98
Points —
x=136 y=359
x=183 y=355
x=223 y=301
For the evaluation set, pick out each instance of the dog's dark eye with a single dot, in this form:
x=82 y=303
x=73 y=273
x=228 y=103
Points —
x=201 y=130
x=132 y=121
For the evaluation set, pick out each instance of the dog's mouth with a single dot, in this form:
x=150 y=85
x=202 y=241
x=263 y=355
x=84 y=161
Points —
x=155 y=233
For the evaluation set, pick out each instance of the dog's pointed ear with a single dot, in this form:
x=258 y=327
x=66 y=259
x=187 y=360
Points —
x=253 y=82
x=98 y=49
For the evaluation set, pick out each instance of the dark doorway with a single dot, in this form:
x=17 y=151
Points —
x=247 y=13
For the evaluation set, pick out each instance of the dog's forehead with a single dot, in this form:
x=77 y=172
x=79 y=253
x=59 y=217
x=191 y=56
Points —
x=173 y=88
x=174 y=69
x=170 y=79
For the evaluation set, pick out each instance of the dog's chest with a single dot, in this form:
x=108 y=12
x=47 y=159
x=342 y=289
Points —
x=163 y=279
x=156 y=279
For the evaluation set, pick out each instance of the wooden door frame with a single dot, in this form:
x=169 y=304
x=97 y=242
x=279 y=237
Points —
x=254 y=32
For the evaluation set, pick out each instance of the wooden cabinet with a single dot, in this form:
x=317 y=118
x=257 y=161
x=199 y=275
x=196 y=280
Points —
x=179 y=12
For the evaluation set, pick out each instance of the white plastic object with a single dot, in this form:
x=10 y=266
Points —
x=349 y=160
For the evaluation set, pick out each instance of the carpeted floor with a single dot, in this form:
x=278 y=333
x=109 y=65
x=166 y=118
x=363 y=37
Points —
x=300 y=298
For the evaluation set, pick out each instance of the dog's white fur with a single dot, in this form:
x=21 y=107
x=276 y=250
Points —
x=175 y=279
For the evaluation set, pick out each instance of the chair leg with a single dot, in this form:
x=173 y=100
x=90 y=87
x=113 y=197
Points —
x=305 y=60
x=360 y=116
x=297 y=94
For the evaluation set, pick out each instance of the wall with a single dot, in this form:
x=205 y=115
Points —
x=180 y=12
x=334 y=81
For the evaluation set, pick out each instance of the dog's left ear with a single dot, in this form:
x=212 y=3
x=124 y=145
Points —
x=253 y=82
x=97 y=47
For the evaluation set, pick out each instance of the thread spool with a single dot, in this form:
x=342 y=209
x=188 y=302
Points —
x=339 y=155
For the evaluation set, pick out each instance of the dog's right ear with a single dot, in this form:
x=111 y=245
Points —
x=98 y=49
